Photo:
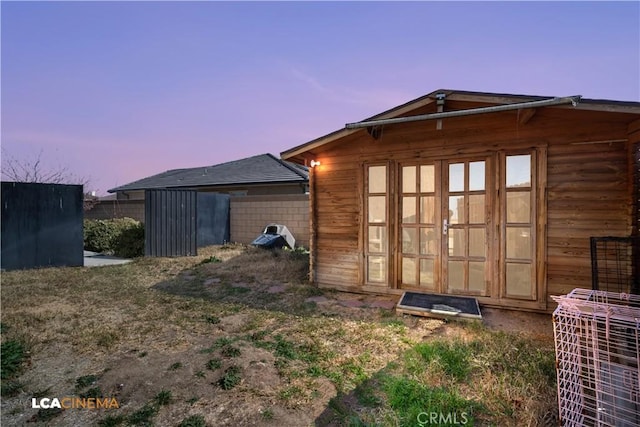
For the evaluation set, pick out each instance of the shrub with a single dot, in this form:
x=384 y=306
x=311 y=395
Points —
x=122 y=237
x=130 y=242
x=98 y=235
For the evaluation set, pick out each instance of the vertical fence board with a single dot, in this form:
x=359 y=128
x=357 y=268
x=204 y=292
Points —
x=171 y=220
x=41 y=225
x=213 y=219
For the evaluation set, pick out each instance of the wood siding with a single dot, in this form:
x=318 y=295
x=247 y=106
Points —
x=583 y=164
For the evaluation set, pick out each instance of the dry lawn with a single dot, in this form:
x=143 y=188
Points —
x=230 y=338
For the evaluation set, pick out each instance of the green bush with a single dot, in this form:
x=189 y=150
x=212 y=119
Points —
x=98 y=235
x=122 y=237
x=130 y=242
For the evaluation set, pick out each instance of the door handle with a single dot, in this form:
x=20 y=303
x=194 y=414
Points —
x=445 y=226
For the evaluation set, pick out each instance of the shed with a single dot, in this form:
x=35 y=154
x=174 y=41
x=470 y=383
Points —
x=493 y=196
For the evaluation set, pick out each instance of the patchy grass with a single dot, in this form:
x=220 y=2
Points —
x=163 y=398
x=214 y=364
x=175 y=366
x=441 y=357
x=216 y=332
x=112 y=421
x=410 y=398
x=46 y=415
x=143 y=416
x=231 y=378
x=193 y=421
x=230 y=351
x=13 y=355
x=214 y=320
x=212 y=258
x=93 y=392
x=85 y=381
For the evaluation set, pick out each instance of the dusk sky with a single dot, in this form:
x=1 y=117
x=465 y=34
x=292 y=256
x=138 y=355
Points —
x=117 y=91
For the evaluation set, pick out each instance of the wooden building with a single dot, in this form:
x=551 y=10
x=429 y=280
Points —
x=487 y=195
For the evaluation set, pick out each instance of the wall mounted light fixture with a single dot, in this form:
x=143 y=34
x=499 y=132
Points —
x=314 y=163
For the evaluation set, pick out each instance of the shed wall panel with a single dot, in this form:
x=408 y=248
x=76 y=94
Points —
x=587 y=174
x=41 y=225
x=171 y=227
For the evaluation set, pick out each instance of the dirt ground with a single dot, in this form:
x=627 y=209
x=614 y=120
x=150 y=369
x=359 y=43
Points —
x=149 y=338
x=534 y=324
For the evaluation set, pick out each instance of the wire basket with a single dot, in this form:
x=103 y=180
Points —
x=597 y=336
x=612 y=264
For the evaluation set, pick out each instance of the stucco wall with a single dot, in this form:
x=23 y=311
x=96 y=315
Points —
x=250 y=214
x=108 y=209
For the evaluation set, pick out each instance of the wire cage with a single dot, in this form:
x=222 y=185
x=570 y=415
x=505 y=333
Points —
x=612 y=264
x=597 y=336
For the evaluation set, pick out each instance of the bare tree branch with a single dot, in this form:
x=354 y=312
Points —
x=34 y=170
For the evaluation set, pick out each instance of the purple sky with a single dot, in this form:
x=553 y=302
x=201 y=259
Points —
x=117 y=91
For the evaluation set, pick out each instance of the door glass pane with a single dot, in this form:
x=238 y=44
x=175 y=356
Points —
x=409 y=271
x=377 y=209
x=428 y=242
x=456 y=210
x=456 y=275
x=377 y=268
x=476 y=276
x=519 y=279
x=409 y=179
x=427 y=210
x=519 y=171
x=476 y=176
x=427 y=179
x=477 y=242
x=377 y=179
x=519 y=242
x=409 y=241
x=476 y=209
x=426 y=273
x=409 y=210
x=519 y=206
x=377 y=239
x=456 y=242
x=456 y=177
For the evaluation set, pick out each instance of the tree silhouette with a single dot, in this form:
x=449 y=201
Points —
x=35 y=170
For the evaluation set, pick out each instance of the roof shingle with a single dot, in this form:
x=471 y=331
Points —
x=263 y=168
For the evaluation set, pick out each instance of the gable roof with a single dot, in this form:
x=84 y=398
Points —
x=460 y=95
x=261 y=169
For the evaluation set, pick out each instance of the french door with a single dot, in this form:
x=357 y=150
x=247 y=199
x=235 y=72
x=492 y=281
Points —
x=444 y=225
x=459 y=226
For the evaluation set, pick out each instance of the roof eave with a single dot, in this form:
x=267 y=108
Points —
x=456 y=95
x=341 y=133
x=238 y=184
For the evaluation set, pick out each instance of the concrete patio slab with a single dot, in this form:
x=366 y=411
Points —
x=95 y=259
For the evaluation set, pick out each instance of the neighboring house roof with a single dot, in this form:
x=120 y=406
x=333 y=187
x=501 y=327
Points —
x=460 y=95
x=261 y=169
x=108 y=198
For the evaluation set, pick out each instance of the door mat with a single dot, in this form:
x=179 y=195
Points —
x=440 y=306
